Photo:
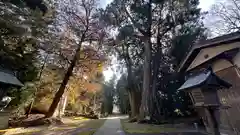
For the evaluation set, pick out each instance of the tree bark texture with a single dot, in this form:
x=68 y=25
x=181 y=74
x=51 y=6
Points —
x=146 y=92
x=62 y=105
x=144 y=110
x=133 y=93
x=135 y=100
x=155 y=103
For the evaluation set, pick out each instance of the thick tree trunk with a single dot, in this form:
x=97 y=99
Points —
x=62 y=105
x=146 y=92
x=61 y=90
x=154 y=105
x=144 y=110
x=133 y=94
x=131 y=103
x=135 y=99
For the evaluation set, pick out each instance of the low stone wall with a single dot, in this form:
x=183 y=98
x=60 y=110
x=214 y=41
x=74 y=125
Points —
x=4 y=117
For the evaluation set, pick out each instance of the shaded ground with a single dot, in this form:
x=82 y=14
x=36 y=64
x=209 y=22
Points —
x=186 y=133
x=143 y=128
x=117 y=125
x=70 y=127
x=148 y=129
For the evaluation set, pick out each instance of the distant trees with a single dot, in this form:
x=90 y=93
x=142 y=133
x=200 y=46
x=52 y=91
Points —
x=122 y=95
x=32 y=4
x=108 y=98
x=73 y=41
x=147 y=34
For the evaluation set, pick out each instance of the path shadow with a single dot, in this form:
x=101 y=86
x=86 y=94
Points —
x=175 y=133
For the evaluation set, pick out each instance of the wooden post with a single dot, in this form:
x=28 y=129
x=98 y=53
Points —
x=94 y=102
x=214 y=121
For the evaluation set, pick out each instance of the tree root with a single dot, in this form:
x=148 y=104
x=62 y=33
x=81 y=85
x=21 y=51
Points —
x=34 y=121
x=134 y=119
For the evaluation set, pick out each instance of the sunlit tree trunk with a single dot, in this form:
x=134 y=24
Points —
x=62 y=105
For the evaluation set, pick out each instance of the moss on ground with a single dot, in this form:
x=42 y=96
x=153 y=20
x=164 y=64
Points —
x=144 y=128
x=75 y=125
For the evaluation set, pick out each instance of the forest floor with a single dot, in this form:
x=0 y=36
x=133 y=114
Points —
x=71 y=126
x=150 y=129
x=114 y=125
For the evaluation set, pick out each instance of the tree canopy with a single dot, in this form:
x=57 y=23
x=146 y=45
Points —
x=59 y=50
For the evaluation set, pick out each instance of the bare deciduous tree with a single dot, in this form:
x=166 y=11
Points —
x=81 y=18
x=226 y=16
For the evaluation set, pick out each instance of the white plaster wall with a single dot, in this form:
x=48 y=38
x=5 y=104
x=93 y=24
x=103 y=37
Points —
x=211 y=52
x=220 y=65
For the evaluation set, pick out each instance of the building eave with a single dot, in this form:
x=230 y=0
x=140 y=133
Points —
x=221 y=40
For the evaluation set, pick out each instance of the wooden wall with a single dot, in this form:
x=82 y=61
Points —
x=230 y=117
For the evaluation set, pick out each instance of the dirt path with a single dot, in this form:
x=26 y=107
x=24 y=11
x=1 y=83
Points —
x=112 y=126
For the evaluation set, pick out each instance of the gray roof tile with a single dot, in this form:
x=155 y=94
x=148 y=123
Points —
x=195 y=80
x=9 y=79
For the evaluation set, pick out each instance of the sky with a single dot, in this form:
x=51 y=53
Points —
x=205 y=5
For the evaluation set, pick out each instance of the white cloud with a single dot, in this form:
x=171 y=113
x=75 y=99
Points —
x=104 y=3
x=206 y=4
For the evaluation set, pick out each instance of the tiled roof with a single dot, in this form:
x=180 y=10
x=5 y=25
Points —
x=218 y=40
x=205 y=78
x=9 y=79
x=195 y=80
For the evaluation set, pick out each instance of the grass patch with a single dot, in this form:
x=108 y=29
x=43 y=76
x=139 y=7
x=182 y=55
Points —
x=80 y=118
x=144 y=128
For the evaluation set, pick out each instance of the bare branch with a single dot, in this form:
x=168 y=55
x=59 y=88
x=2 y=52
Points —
x=134 y=22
